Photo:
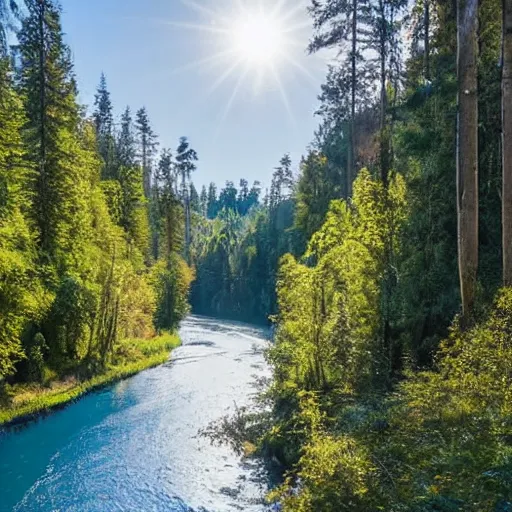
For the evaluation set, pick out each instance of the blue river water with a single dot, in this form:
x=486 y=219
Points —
x=135 y=446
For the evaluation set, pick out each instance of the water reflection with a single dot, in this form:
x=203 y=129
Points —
x=135 y=446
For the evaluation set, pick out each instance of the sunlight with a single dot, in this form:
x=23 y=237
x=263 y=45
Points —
x=251 y=44
x=258 y=39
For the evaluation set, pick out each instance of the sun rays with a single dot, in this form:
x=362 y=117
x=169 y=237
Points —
x=249 y=44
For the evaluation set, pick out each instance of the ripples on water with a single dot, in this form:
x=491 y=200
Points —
x=135 y=446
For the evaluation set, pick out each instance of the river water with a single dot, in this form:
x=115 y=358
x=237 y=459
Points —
x=135 y=446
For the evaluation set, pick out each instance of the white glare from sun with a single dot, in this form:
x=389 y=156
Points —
x=257 y=39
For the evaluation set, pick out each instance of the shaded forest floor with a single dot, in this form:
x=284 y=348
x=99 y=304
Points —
x=23 y=402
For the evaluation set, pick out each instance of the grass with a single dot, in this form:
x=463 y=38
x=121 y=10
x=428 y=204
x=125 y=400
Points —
x=131 y=357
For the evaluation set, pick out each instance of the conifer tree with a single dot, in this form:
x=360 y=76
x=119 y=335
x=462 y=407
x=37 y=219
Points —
x=48 y=86
x=126 y=146
x=185 y=166
x=203 y=200
x=212 y=206
x=147 y=147
x=338 y=23
x=104 y=123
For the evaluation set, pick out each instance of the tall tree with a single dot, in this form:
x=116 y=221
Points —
x=282 y=181
x=104 y=123
x=384 y=40
x=126 y=148
x=506 y=111
x=212 y=204
x=147 y=144
x=467 y=151
x=48 y=85
x=203 y=199
x=186 y=159
x=338 y=23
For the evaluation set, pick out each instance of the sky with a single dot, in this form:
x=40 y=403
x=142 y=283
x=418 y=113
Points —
x=178 y=58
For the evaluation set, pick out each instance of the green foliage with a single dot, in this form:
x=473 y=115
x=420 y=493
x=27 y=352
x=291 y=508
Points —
x=131 y=357
x=331 y=315
x=75 y=276
x=172 y=282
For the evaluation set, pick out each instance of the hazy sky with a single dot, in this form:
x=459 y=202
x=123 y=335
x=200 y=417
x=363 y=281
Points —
x=164 y=54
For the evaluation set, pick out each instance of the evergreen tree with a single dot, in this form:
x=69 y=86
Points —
x=228 y=197
x=126 y=146
x=203 y=200
x=338 y=23
x=147 y=146
x=195 y=204
x=48 y=86
x=185 y=166
x=104 y=123
x=212 y=205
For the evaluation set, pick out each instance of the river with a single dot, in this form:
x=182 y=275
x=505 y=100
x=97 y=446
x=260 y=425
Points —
x=135 y=446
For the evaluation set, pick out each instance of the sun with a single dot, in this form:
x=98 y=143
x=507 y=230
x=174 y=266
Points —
x=258 y=39
x=254 y=44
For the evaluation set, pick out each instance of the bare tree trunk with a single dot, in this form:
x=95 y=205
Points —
x=506 y=111
x=187 y=227
x=467 y=153
x=351 y=153
x=426 y=57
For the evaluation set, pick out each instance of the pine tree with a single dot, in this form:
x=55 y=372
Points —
x=48 y=86
x=338 y=23
x=147 y=146
x=212 y=204
x=282 y=181
x=126 y=146
x=185 y=166
x=104 y=123
x=203 y=200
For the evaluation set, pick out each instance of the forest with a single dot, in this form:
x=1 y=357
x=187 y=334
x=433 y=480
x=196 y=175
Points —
x=92 y=224
x=383 y=258
x=392 y=354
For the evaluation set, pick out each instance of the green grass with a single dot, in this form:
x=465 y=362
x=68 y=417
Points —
x=132 y=356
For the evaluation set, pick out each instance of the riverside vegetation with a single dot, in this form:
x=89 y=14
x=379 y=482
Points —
x=392 y=360
x=92 y=268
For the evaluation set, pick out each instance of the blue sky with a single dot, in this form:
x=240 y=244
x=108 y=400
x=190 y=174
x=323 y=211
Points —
x=147 y=49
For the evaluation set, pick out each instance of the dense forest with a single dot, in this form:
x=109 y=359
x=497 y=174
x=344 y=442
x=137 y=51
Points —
x=92 y=225
x=392 y=361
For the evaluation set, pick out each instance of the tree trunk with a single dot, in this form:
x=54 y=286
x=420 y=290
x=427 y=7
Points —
x=426 y=56
x=506 y=112
x=467 y=153
x=384 y=137
x=43 y=211
x=352 y=146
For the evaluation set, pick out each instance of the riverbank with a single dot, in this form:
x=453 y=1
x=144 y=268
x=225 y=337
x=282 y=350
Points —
x=29 y=401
